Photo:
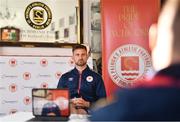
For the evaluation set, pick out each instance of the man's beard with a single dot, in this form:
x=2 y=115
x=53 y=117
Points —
x=80 y=63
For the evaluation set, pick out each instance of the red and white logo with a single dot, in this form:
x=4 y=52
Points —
x=71 y=62
x=13 y=62
x=12 y=111
x=44 y=62
x=89 y=78
x=13 y=87
x=44 y=85
x=130 y=67
x=128 y=64
x=58 y=75
x=27 y=76
x=27 y=100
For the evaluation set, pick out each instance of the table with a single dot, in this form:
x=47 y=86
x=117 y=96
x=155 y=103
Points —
x=24 y=116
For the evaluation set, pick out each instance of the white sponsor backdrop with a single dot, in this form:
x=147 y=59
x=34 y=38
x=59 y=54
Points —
x=19 y=74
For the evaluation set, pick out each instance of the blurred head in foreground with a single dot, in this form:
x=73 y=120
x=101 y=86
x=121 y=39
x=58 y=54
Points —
x=158 y=98
x=165 y=36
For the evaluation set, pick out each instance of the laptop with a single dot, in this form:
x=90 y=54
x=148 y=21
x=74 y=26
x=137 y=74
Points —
x=50 y=104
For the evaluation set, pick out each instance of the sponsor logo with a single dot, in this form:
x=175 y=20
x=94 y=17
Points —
x=44 y=62
x=38 y=15
x=89 y=78
x=58 y=75
x=2 y=114
x=13 y=87
x=2 y=62
x=59 y=62
x=27 y=76
x=9 y=101
x=27 y=100
x=2 y=88
x=12 y=62
x=71 y=62
x=27 y=87
x=12 y=111
x=70 y=79
x=4 y=76
x=28 y=63
x=43 y=75
x=44 y=85
x=129 y=63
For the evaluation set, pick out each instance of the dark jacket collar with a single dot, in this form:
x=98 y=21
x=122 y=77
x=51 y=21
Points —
x=84 y=71
x=171 y=71
x=168 y=78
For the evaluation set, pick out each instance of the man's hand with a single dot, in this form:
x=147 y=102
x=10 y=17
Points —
x=79 y=102
x=78 y=106
x=51 y=114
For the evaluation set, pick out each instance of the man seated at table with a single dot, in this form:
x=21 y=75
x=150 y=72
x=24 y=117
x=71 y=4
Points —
x=85 y=85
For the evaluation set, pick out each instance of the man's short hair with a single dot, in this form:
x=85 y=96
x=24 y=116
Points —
x=79 y=46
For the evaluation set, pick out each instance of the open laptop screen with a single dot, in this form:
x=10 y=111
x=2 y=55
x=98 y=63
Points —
x=50 y=102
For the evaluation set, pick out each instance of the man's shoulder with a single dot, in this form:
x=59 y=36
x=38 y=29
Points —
x=68 y=72
x=47 y=105
x=94 y=72
x=147 y=93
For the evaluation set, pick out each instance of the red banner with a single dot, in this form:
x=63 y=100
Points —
x=125 y=50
